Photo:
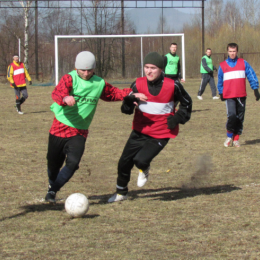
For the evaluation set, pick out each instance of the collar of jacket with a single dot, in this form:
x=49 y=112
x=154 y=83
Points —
x=16 y=63
x=174 y=54
x=232 y=60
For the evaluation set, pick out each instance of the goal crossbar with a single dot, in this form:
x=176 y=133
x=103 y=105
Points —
x=141 y=36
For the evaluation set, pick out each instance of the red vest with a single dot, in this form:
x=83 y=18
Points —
x=234 y=79
x=151 y=117
x=18 y=74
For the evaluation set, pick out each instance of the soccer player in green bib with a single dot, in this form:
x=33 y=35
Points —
x=206 y=70
x=172 y=66
x=75 y=100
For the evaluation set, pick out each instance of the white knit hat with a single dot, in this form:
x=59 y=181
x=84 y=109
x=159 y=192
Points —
x=85 y=60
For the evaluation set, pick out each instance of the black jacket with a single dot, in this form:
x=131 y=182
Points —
x=180 y=95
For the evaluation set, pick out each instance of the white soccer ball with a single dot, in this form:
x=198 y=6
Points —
x=77 y=205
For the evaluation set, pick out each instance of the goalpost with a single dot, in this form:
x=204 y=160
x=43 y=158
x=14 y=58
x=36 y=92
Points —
x=141 y=36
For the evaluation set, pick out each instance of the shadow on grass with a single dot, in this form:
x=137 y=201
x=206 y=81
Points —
x=176 y=193
x=41 y=208
x=170 y=193
x=38 y=112
x=199 y=110
x=249 y=142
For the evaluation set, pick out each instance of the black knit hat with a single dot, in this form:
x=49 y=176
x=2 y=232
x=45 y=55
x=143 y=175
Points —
x=154 y=58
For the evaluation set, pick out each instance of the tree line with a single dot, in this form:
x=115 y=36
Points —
x=225 y=22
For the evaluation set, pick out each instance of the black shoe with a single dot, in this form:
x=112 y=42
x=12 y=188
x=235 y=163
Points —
x=18 y=109
x=50 y=196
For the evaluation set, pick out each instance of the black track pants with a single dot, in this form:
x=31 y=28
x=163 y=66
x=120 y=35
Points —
x=236 y=108
x=139 y=150
x=207 y=78
x=59 y=149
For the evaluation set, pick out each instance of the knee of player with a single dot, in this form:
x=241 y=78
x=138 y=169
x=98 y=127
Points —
x=232 y=117
x=72 y=164
x=140 y=164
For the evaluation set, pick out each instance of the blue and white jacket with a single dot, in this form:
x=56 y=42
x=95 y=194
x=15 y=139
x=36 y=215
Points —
x=250 y=74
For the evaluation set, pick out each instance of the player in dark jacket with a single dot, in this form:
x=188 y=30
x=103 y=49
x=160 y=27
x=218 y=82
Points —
x=155 y=122
x=172 y=65
x=207 y=69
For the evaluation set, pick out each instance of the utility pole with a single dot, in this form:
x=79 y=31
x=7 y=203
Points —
x=36 y=42
x=123 y=39
x=203 y=29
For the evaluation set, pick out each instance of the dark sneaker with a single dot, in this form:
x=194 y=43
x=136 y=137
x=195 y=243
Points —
x=50 y=196
x=18 y=109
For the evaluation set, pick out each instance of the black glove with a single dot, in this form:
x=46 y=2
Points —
x=14 y=85
x=129 y=100
x=30 y=82
x=221 y=97
x=129 y=110
x=172 y=121
x=257 y=95
x=211 y=73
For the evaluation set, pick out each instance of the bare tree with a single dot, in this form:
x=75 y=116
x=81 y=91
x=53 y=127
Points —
x=213 y=15
x=250 y=11
x=26 y=7
x=232 y=16
x=103 y=18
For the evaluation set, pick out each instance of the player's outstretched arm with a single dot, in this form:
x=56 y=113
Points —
x=111 y=93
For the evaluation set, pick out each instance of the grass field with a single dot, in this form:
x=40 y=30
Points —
x=201 y=201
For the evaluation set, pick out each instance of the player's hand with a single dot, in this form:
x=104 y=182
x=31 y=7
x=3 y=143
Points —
x=30 y=82
x=221 y=97
x=130 y=100
x=172 y=121
x=257 y=95
x=182 y=80
x=14 y=85
x=141 y=96
x=69 y=100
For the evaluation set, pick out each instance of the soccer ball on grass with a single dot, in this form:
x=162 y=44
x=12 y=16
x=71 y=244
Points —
x=77 y=205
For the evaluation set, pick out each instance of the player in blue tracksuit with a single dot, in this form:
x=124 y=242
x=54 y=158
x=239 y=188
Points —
x=250 y=74
x=232 y=88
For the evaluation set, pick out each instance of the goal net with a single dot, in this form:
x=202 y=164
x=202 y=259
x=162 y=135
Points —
x=117 y=56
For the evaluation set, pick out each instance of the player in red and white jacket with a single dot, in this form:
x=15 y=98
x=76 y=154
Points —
x=155 y=122
x=16 y=75
x=232 y=76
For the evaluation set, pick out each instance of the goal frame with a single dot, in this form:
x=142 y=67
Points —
x=141 y=36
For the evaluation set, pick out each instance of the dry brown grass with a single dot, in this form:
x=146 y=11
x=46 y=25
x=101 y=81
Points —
x=201 y=201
